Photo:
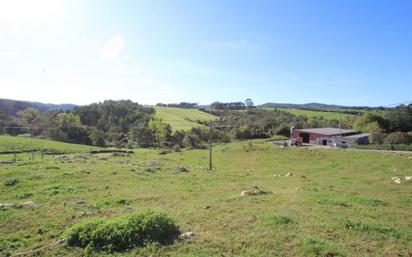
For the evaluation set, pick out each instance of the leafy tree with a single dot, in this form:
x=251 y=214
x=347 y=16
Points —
x=398 y=138
x=400 y=119
x=249 y=103
x=363 y=123
x=97 y=137
x=29 y=115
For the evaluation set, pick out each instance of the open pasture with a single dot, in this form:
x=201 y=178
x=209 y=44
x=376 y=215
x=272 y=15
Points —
x=332 y=203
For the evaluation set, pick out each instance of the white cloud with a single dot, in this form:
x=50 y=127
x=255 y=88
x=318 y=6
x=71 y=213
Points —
x=112 y=47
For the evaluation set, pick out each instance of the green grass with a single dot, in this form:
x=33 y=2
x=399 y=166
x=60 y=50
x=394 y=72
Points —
x=310 y=113
x=338 y=203
x=8 y=143
x=180 y=118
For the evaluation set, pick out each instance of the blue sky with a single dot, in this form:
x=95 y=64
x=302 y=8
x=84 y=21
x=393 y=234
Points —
x=82 y=51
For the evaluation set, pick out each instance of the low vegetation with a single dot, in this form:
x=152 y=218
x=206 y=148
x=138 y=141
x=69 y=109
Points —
x=360 y=226
x=123 y=233
x=337 y=203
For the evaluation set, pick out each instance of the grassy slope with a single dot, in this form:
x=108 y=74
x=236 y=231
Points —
x=180 y=118
x=22 y=143
x=329 y=186
x=326 y=115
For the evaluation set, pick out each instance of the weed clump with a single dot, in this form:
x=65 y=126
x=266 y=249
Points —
x=278 y=220
x=181 y=169
x=24 y=195
x=314 y=246
x=11 y=182
x=123 y=233
x=360 y=226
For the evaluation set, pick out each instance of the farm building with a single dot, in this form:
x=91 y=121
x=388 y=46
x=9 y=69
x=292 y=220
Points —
x=330 y=136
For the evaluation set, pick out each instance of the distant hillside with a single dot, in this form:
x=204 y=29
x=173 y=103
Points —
x=11 y=107
x=180 y=118
x=318 y=106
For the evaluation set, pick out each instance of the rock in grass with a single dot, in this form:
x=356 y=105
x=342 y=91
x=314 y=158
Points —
x=187 y=235
x=396 y=180
x=255 y=191
x=81 y=202
x=5 y=206
x=408 y=178
x=181 y=169
x=289 y=174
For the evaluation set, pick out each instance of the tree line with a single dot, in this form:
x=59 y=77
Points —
x=392 y=126
x=128 y=124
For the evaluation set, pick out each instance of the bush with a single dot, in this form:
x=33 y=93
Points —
x=376 y=137
x=123 y=233
x=398 y=138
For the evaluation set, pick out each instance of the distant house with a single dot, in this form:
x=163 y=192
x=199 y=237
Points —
x=330 y=136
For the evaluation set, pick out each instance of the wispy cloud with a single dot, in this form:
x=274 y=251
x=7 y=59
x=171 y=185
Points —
x=237 y=44
x=112 y=48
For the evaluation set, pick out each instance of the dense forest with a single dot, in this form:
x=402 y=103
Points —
x=128 y=124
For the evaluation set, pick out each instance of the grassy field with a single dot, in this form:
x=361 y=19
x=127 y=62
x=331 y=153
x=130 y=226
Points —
x=309 y=113
x=338 y=203
x=8 y=143
x=180 y=118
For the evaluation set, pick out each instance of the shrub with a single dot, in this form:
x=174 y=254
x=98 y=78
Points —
x=398 y=138
x=376 y=137
x=123 y=233
x=11 y=182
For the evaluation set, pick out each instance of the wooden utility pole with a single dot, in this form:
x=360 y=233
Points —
x=210 y=145
x=340 y=136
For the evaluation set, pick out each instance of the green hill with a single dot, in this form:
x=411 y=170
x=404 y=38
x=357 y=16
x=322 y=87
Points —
x=330 y=115
x=180 y=118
